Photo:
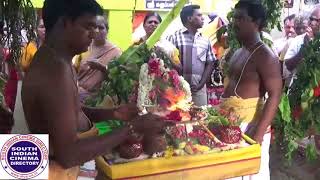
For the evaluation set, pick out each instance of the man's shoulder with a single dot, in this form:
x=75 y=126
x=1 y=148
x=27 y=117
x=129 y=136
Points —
x=298 y=39
x=49 y=63
x=266 y=53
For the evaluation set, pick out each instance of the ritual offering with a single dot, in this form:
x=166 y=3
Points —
x=203 y=144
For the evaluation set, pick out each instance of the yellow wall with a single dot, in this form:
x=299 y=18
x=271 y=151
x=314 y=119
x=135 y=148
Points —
x=120 y=16
x=120 y=28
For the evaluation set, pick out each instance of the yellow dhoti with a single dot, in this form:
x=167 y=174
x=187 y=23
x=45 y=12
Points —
x=250 y=111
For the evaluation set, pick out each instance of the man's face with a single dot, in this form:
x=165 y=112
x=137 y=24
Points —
x=102 y=29
x=289 y=28
x=196 y=20
x=314 y=21
x=243 y=25
x=300 y=28
x=81 y=32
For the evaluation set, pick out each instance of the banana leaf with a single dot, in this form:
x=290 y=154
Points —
x=124 y=71
x=155 y=37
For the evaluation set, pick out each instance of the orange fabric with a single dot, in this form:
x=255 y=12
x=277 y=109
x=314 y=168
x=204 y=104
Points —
x=138 y=19
x=27 y=55
x=57 y=172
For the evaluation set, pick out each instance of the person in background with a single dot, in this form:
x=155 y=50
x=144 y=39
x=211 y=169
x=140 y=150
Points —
x=196 y=54
x=150 y=24
x=294 y=54
x=289 y=33
x=92 y=69
x=6 y=117
x=300 y=27
x=31 y=48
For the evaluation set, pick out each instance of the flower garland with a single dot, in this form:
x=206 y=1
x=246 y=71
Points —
x=158 y=85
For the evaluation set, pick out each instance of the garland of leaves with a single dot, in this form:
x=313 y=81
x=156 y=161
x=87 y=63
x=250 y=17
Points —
x=299 y=109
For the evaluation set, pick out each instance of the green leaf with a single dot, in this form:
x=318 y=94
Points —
x=311 y=152
x=284 y=108
x=224 y=121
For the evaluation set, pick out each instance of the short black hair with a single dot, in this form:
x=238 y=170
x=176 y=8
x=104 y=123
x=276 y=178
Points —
x=290 y=18
x=255 y=10
x=54 y=9
x=150 y=14
x=187 y=11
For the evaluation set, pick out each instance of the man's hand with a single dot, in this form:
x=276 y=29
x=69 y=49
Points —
x=95 y=64
x=126 y=112
x=309 y=35
x=150 y=123
x=258 y=138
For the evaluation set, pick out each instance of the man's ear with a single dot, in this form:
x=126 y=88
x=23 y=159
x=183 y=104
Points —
x=189 y=19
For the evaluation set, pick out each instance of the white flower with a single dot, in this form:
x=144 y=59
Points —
x=145 y=86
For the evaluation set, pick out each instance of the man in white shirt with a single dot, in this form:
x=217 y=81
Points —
x=289 y=33
x=294 y=54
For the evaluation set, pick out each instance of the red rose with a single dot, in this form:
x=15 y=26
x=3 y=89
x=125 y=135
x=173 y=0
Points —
x=173 y=74
x=214 y=102
x=154 y=67
x=316 y=92
x=174 y=115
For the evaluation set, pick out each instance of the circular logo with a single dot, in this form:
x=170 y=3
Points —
x=24 y=156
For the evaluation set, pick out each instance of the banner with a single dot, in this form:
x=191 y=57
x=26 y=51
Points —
x=160 y=4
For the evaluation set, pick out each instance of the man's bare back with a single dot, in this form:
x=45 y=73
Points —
x=42 y=83
x=262 y=63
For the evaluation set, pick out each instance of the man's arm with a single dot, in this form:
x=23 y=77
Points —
x=294 y=54
x=268 y=68
x=98 y=114
x=293 y=62
x=59 y=107
x=124 y=112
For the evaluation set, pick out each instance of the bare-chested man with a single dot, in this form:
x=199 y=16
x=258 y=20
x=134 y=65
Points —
x=254 y=71
x=50 y=96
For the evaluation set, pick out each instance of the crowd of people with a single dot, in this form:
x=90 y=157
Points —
x=68 y=62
